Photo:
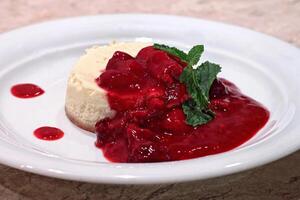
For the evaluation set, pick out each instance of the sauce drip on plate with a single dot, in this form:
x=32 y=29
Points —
x=26 y=90
x=48 y=133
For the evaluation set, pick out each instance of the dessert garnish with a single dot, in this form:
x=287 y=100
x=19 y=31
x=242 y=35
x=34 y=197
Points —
x=198 y=80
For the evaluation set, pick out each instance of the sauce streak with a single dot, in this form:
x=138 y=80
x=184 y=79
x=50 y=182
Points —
x=149 y=125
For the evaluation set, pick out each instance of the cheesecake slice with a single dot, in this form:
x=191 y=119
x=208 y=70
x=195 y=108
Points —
x=86 y=102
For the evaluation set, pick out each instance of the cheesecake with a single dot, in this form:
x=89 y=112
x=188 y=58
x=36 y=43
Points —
x=86 y=102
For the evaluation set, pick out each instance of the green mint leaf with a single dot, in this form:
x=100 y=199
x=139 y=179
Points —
x=173 y=51
x=194 y=115
x=198 y=82
x=190 y=79
x=194 y=54
x=206 y=73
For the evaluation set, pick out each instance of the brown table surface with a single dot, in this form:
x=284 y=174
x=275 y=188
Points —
x=277 y=180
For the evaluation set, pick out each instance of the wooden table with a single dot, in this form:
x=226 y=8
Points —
x=278 y=180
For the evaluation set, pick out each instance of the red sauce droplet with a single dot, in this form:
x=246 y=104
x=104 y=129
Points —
x=149 y=125
x=48 y=133
x=26 y=90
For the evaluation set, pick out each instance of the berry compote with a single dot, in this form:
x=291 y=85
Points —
x=149 y=125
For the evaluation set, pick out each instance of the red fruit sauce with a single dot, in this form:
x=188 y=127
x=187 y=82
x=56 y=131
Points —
x=149 y=125
x=48 y=133
x=26 y=90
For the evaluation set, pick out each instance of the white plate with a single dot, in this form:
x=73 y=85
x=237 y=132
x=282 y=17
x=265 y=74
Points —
x=263 y=67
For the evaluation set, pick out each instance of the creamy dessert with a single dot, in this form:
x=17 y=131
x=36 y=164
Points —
x=86 y=102
x=153 y=103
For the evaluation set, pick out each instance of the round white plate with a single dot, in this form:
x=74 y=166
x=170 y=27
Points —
x=263 y=67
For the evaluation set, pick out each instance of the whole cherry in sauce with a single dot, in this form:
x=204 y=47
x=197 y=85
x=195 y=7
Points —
x=26 y=90
x=149 y=125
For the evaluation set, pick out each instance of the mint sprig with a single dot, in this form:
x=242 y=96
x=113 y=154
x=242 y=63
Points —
x=173 y=51
x=194 y=55
x=198 y=81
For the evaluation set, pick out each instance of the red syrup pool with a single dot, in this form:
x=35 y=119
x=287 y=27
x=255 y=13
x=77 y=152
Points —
x=149 y=125
x=26 y=90
x=48 y=133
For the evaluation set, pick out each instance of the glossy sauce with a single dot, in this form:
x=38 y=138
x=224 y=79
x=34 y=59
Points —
x=26 y=90
x=149 y=125
x=48 y=133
